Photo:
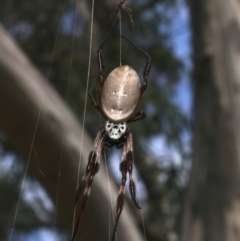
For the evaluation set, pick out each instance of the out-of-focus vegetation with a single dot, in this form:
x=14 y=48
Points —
x=56 y=37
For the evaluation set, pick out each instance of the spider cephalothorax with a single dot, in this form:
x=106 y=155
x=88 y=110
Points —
x=116 y=133
x=115 y=130
x=120 y=93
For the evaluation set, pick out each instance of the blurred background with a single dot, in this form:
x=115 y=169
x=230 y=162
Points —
x=188 y=95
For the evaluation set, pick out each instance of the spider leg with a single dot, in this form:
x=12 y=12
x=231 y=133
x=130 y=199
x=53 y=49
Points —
x=120 y=199
x=146 y=69
x=145 y=76
x=138 y=116
x=96 y=105
x=115 y=9
x=122 y=6
x=125 y=167
x=91 y=170
x=129 y=158
x=101 y=67
x=100 y=58
x=129 y=11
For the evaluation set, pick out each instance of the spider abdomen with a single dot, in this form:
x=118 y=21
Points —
x=120 y=93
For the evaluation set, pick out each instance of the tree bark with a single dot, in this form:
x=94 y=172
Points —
x=31 y=112
x=212 y=211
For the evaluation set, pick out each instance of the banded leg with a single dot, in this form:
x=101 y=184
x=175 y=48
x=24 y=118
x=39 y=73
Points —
x=125 y=167
x=91 y=170
x=145 y=76
x=129 y=158
x=132 y=186
x=120 y=199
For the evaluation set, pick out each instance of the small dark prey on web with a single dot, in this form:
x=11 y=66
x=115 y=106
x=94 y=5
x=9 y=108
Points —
x=120 y=93
x=120 y=7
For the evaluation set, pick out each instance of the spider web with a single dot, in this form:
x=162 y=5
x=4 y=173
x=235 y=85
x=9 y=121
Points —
x=31 y=151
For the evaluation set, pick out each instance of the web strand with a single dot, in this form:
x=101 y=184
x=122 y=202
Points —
x=111 y=209
x=67 y=97
x=143 y=223
x=120 y=33
x=85 y=106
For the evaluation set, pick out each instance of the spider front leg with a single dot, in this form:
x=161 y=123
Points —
x=146 y=69
x=101 y=67
x=100 y=58
x=91 y=170
x=145 y=75
x=125 y=167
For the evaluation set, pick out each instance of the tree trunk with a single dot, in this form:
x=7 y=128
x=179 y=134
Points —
x=31 y=109
x=212 y=211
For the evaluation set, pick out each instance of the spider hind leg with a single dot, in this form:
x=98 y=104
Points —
x=126 y=167
x=132 y=186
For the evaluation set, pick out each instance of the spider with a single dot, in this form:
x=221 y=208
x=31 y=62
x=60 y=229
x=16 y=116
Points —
x=120 y=7
x=120 y=94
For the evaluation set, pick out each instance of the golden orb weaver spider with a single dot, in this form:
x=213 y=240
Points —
x=120 y=92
